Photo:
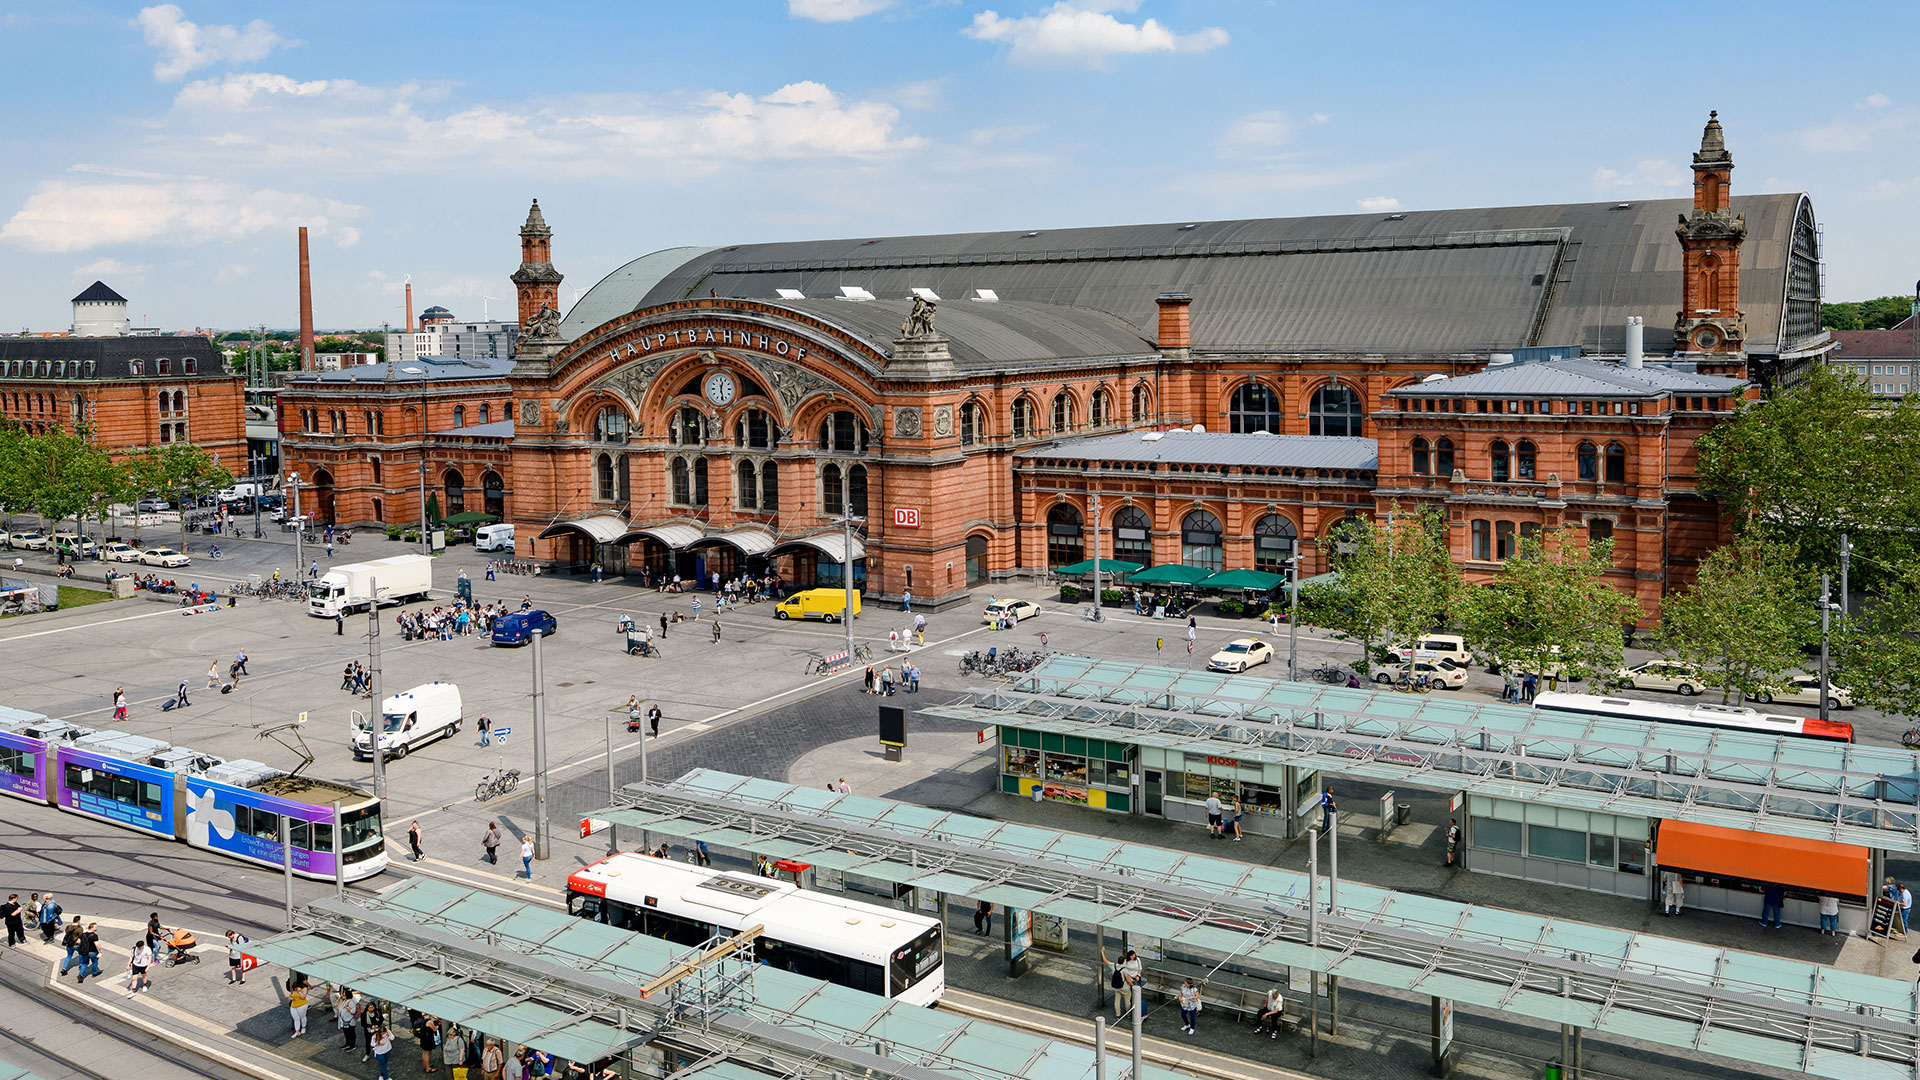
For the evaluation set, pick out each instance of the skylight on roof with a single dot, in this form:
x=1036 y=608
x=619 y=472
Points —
x=790 y=294
x=854 y=292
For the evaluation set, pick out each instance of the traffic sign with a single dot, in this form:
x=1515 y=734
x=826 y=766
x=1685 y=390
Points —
x=502 y=732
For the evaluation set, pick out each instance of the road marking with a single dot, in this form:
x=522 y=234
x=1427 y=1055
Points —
x=91 y=625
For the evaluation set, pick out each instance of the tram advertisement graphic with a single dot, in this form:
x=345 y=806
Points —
x=17 y=752
x=124 y=792
x=229 y=819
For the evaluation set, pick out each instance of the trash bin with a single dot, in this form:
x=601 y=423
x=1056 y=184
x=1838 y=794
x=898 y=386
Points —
x=1403 y=815
x=1553 y=1070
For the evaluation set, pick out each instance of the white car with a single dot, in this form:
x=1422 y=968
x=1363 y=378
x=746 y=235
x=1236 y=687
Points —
x=32 y=541
x=1019 y=609
x=1670 y=675
x=118 y=552
x=164 y=556
x=1241 y=654
x=1443 y=674
x=1805 y=690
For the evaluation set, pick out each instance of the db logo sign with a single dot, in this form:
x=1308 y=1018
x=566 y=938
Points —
x=906 y=517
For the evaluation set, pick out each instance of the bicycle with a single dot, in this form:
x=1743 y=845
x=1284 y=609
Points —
x=497 y=782
x=863 y=651
x=1329 y=673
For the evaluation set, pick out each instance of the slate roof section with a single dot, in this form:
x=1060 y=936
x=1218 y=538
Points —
x=438 y=369
x=1876 y=344
x=98 y=292
x=1426 y=282
x=1217 y=448
x=985 y=335
x=111 y=356
x=1580 y=378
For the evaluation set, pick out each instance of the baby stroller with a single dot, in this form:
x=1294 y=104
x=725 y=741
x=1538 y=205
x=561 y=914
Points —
x=180 y=944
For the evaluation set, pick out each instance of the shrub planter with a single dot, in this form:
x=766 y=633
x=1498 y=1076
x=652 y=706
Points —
x=1231 y=609
x=1069 y=594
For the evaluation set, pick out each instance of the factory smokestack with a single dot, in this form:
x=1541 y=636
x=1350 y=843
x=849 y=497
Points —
x=409 y=326
x=306 y=305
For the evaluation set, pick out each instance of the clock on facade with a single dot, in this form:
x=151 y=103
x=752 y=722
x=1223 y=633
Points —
x=720 y=388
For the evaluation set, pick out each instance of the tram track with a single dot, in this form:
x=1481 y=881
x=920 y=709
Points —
x=149 y=1047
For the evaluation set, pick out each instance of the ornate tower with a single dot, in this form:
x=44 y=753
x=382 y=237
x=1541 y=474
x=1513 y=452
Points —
x=1710 y=320
x=536 y=282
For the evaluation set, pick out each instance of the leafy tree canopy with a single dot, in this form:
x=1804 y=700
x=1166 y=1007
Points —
x=1396 y=580
x=1881 y=661
x=1877 y=314
x=1553 y=609
x=1744 y=621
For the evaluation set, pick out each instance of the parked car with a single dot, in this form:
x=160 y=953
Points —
x=32 y=541
x=151 y=506
x=118 y=552
x=73 y=543
x=1805 y=690
x=1443 y=674
x=519 y=627
x=1450 y=647
x=1019 y=609
x=164 y=556
x=1669 y=675
x=1241 y=654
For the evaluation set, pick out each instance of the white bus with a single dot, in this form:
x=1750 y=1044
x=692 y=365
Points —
x=885 y=951
x=1733 y=717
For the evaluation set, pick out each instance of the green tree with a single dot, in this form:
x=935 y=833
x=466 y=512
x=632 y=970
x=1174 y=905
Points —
x=1395 y=580
x=1880 y=313
x=1881 y=661
x=15 y=488
x=1553 y=609
x=61 y=474
x=183 y=472
x=1819 y=459
x=1744 y=621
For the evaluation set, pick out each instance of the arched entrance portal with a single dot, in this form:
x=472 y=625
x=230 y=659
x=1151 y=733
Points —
x=976 y=560
x=321 y=494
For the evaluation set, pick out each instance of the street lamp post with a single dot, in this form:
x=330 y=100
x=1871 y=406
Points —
x=299 y=565
x=426 y=547
x=542 y=834
x=1096 y=557
x=253 y=470
x=1826 y=613
x=377 y=709
x=846 y=580
x=1293 y=617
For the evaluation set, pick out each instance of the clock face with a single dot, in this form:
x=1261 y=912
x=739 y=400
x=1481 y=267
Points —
x=720 y=388
x=1706 y=339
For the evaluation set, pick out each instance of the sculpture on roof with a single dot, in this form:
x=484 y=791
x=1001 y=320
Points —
x=544 y=324
x=919 y=322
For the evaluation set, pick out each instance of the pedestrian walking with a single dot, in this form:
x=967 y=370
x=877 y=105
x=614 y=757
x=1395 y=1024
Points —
x=213 y=675
x=180 y=695
x=906 y=600
x=90 y=951
x=716 y=631
x=696 y=609
x=414 y=834
x=1328 y=808
x=653 y=720
x=339 y=623
x=490 y=569
x=920 y=631
x=382 y=1046
x=236 y=958
x=983 y=918
x=453 y=1048
x=240 y=662
x=138 y=961
x=49 y=916
x=329 y=547
x=119 y=703
x=12 y=911
x=297 y=991
x=485 y=727
x=526 y=855
x=843 y=788
x=490 y=842
x=871 y=679
x=1906 y=909
x=70 y=941
x=493 y=1061
x=313 y=572
x=1453 y=839
x=700 y=853
x=663 y=626
x=1189 y=1006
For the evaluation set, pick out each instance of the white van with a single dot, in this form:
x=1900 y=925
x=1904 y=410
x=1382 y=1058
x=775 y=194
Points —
x=410 y=720
x=497 y=537
x=1434 y=648
x=244 y=489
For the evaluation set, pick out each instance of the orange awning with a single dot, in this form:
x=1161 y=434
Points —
x=1834 y=869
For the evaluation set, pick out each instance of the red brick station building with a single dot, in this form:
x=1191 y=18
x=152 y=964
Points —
x=1230 y=390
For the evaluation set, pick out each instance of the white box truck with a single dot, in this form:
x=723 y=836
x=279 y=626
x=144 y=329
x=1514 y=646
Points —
x=347 y=589
x=423 y=714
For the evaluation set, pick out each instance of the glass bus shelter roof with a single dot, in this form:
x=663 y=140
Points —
x=1756 y=1009
x=1865 y=795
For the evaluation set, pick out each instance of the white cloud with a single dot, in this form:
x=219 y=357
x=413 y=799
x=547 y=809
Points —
x=1085 y=32
x=1656 y=175
x=238 y=91
x=1379 y=202
x=1258 y=134
x=1872 y=123
x=835 y=10
x=102 y=269
x=185 y=46
x=65 y=216
x=1879 y=101
x=234 y=271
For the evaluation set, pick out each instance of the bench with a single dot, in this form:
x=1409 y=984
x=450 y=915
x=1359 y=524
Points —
x=1226 y=990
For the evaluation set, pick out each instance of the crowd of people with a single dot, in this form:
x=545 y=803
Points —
x=883 y=682
x=448 y=621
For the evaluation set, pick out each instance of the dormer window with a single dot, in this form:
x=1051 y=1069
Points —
x=166 y=366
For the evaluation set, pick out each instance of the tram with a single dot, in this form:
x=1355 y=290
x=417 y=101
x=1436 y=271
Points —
x=879 y=950
x=1731 y=717
x=171 y=792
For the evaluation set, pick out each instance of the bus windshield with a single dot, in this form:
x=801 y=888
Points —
x=914 y=961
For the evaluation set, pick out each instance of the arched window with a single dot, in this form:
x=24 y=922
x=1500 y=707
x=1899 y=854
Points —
x=769 y=486
x=700 y=482
x=1335 y=410
x=456 y=491
x=1254 y=408
x=486 y=415
x=1022 y=417
x=1587 y=462
x=1616 y=464
x=971 y=430
x=1064 y=544
x=496 y=495
x=832 y=496
x=1142 y=402
x=1102 y=408
x=609 y=425
x=857 y=491
x=338 y=419
x=1422 y=460
x=753 y=430
x=180 y=404
x=1062 y=412
x=746 y=485
x=368 y=415
x=1132 y=536
x=1500 y=460
x=682 y=482
x=603 y=477
x=1200 y=540
x=843 y=432
x=687 y=429
x=1274 y=538
x=166 y=403
x=1523 y=459
x=1443 y=457
x=459 y=416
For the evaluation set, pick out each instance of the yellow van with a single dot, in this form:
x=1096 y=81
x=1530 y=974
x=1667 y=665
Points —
x=825 y=604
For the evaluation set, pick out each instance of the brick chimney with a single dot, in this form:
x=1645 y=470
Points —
x=306 y=305
x=1176 y=331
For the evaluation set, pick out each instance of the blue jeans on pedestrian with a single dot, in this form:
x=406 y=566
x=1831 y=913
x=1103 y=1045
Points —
x=382 y=1059
x=1770 y=914
x=90 y=964
x=527 y=863
x=73 y=951
x=1830 y=923
x=1189 y=1018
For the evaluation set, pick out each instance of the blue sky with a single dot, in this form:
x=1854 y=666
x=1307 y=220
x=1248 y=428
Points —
x=172 y=150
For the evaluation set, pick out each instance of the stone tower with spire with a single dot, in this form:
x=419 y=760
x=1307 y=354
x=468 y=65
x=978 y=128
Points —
x=1710 y=320
x=536 y=283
